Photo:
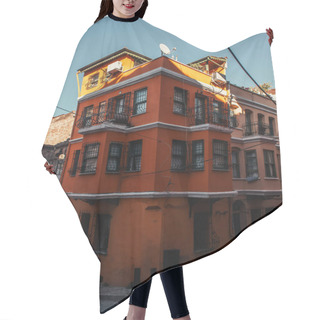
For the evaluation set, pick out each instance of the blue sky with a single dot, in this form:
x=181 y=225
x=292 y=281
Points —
x=106 y=37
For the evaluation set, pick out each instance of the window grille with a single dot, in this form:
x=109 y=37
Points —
x=271 y=126
x=119 y=108
x=198 y=154
x=87 y=116
x=180 y=101
x=75 y=160
x=93 y=80
x=219 y=113
x=113 y=164
x=102 y=111
x=251 y=164
x=90 y=157
x=220 y=154
x=199 y=108
x=235 y=164
x=140 y=101
x=134 y=155
x=269 y=163
x=178 y=155
x=261 y=127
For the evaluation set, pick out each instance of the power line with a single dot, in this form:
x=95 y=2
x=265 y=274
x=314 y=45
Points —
x=64 y=109
x=250 y=76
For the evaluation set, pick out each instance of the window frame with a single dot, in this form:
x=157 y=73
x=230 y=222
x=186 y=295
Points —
x=142 y=102
x=93 y=80
x=116 y=157
x=269 y=166
x=85 y=158
x=225 y=156
x=102 y=114
x=247 y=158
x=195 y=155
x=235 y=165
x=183 y=143
x=183 y=102
x=131 y=155
x=200 y=103
x=75 y=162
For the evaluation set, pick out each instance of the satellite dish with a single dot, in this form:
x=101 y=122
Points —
x=164 y=49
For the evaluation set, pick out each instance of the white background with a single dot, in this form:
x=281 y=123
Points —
x=48 y=269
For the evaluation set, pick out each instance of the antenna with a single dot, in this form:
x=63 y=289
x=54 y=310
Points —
x=173 y=49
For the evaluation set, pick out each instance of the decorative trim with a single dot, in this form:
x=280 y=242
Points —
x=109 y=126
x=100 y=196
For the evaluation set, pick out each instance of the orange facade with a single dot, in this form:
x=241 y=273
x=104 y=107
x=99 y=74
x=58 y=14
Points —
x=157 y=145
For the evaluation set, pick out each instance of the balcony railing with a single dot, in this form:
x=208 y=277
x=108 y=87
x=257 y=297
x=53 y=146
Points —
x=201 y=117
x=123 y=115
x=118 y=116
x=257 y=128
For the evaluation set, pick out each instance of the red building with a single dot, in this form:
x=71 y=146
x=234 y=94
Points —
x=160 y=145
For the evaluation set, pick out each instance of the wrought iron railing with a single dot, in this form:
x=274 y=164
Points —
x=204 y=116
x=113 y=115
x=123 y=115
x=257 y=128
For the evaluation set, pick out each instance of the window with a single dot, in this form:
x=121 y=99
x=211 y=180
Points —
x=233 y=119
x=119 y=108
x=87 y=116
x=220 y=154
x=180 y=101
x=178 y=155
x=140 y=101
x=217 y=111
x=235 y=163
x=261 y=125
x=85 y=221
x=101 y=233
x=236 y=223
x=271 y=126
x=238 y=217
x=251 y=165
x=199 y=109
x=255 y=214
x=134 y=155
x=201 y=231
x=113 y=164
x=120 y=104
x=248 y=123
x=93 y=80
x=75 y=160
x=269 y=163
x=198 y=154
x=58 y=168
x=279 y=164
x=102 y=111
x=90 y=157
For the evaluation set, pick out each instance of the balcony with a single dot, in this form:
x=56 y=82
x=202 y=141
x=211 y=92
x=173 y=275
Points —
x=202 y=116
x=120 y=116
x=257 y=128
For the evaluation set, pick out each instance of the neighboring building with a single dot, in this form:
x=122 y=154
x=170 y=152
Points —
x=160 y=144
x=255 y=157
x=57 y=139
